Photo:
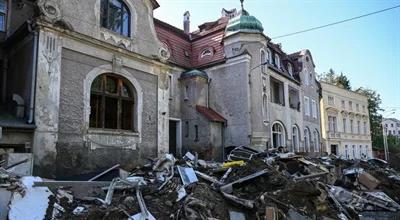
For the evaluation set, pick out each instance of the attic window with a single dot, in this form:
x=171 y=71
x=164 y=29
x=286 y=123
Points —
x=208 y=52
x=290 y=69
x=307 y=59
x=277 y=61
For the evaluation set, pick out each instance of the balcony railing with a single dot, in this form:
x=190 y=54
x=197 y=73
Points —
x=335 y=135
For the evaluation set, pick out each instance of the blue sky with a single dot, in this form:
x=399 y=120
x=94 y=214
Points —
x=367 y=50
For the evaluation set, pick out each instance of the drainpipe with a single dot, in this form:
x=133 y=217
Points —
x=33 y=72
x=208 y=92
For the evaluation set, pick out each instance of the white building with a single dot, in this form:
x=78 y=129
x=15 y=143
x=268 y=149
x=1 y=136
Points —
x=391 y=126
x=345 y=123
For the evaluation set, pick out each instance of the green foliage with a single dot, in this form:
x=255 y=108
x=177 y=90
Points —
x=393 y=143
x=375 y=119
x=332 y=78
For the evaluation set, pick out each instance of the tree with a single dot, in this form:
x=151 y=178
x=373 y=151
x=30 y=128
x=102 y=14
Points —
x=375 y=119
x=338 y=80
x=343 y=81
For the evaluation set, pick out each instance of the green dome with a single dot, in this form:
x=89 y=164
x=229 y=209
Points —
x=244 y=23
x=194 y=73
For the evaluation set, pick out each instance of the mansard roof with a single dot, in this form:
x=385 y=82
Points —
x=186 y=49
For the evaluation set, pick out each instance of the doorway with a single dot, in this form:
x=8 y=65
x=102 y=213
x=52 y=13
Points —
x=175 y=138
x=334 y=149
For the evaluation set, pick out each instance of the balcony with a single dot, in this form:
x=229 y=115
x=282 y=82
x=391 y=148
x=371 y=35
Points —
x=334 y=135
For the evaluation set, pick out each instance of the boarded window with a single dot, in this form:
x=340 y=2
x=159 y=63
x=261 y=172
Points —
x=112 y=103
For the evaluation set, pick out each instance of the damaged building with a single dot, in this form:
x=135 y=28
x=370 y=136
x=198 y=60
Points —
x=88 y=84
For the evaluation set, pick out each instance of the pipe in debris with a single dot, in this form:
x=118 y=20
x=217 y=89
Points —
x=16 y=164
x=104 y=172
x=33 y=71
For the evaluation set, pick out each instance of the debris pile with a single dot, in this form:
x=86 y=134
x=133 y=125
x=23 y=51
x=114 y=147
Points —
x=249 y=185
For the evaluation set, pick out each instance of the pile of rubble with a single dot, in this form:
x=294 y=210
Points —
x=249 y=185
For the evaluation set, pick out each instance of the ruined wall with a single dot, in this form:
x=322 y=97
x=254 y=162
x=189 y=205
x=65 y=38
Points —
x=79 y=149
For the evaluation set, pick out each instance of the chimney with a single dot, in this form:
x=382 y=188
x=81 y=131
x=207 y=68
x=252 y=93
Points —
x=186 y=22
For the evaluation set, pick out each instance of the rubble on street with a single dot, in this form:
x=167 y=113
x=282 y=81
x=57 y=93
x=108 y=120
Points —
x=256 y=185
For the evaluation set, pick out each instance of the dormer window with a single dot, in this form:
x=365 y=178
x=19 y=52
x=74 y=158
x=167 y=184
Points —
x=290 y=69
x=268 y=56
x=277 y=61
x=3 y=15
x=116 y=17
x=208 y=52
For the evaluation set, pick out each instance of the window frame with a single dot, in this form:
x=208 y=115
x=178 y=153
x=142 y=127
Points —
x=262 y=59
x=103 y=94
x=307 y=106
x=4 y=14
x=290 y=69
x=281 y=134
x=277 y=61
x=123 y=7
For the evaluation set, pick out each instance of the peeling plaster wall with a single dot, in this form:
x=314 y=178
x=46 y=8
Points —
x=230 y=97
x=47 y=102
x=84 y=17
x=80 y=149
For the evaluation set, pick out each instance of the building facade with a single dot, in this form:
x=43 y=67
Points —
x=88 y=84
x=345 y=123
x=391 y=126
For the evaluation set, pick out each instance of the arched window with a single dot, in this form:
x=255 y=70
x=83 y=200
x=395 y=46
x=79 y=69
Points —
x=277 y=61
x=307 y=140
x=278 y=135
x=316 y=141
x=290 y=69
x=208 y=52
x=112 y=103
x=262 y=60
x=116 y=17
x=268 y=56
x=295 y=138
x=264 y=108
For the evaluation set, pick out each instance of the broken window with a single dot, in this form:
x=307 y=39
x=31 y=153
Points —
x=277 y=92
x=116 y=16
x=294 y=99
x=307 y=139
x=278 y=135
x=111 y=103
x=295 y=138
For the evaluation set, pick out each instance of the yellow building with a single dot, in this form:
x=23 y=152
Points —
x=345 y=123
